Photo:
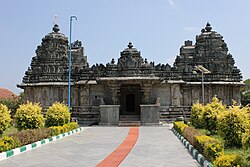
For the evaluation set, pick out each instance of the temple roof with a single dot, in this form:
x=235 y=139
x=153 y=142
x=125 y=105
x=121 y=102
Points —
x=209 y=50
x=55 y=34
x=131 y=51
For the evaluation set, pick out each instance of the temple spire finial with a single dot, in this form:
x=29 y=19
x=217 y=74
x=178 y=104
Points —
x=56 y=27
x=208 y=27
x=130 y=45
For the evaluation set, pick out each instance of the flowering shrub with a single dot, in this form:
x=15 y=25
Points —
x=8 y=143
x=228 y=160
x=57 y=115
x=179 y=127
x=5 y=119
x=210 y=114
x=56 y=130
x=232 y=124
x=29 y=116
x=196 y=112
x=246 y=139
x=209 y=146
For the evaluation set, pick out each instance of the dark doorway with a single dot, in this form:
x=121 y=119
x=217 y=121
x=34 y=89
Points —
x=130 y=100
x=130 y=103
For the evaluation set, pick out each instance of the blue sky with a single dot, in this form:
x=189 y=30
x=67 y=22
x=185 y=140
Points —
x=157 y=28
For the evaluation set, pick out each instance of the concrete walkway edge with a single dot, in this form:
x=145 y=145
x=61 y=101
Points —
x=22 y=149
x=198 y=157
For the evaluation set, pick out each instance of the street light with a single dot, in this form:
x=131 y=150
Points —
x=69 y=66
x=203 y=71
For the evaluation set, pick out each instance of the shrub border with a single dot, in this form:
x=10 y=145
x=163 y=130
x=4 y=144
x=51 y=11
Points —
x=22 y=149
x=197 y=156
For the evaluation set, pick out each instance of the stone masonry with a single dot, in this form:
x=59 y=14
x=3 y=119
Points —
x=132 y=84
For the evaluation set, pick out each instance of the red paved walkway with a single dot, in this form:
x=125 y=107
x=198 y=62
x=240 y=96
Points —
x=117 y=156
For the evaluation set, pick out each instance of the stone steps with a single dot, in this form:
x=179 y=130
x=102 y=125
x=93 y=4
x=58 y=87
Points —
x=129 y=120
x=129 y=123
x=170 y=115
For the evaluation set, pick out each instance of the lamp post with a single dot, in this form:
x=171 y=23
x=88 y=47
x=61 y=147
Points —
x=203 y=71
x=69 y=66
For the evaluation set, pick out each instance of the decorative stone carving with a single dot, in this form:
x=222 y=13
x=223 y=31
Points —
x=210 y=51
x=101 y=84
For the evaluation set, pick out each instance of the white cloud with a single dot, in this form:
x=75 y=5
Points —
x=171 y=2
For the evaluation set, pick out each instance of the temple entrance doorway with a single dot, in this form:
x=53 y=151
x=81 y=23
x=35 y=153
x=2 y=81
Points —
x=130 y=100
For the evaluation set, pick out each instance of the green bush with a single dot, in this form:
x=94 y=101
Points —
x=210 y=114
x=246 y=139
x=196 y=112
x=71 y=126
x=29 y=116
x=210 y=147
x=179 y=127
x=213 y=148
x=228 y=160
x=5 y=119
x=57 y=115
x=8 y=143
x=56 y=130
x=232 y=124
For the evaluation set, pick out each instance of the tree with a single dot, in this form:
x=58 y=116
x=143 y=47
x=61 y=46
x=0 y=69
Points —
x=13 y=104
x=245 y=93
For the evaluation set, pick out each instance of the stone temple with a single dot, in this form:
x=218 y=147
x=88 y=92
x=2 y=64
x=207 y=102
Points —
x=132 y=89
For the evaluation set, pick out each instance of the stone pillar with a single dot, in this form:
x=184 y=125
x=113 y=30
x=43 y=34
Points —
x=115 y=90
x=84 y=95
x=175 y=95
x=146 y=92
x=195 y=94
x=236 y=94
x=186 y=97
x=114 y=95
x=146 y=88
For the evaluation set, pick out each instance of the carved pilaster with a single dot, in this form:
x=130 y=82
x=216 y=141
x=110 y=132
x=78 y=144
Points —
x=84 y=95
x=115 y=91
x=176 y=95
x=146 y=89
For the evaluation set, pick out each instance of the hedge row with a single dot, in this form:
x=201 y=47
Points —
x=29 y=136
x=208 y=146
x=211 y=148
x=231 y=126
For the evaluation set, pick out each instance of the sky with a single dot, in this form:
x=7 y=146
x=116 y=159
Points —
x=157 y=28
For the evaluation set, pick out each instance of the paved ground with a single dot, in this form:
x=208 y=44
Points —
x=156 y=146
